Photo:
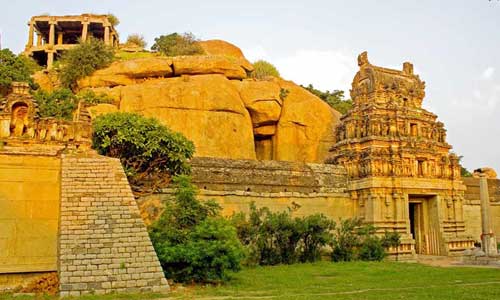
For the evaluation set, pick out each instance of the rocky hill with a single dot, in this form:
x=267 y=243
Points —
x=212 y=101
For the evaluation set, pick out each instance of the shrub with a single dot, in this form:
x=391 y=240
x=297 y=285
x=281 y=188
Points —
x=273 y=238
x=346 y=240
x=357 y=241
x=177 y=44
x=264 y=69
x=58 y=104
x=83 y=60
x=192 y=241
x=14 y=68
x=113 y=19
x=315 y=234
x=91 y=98
x=148 y=150
x=335 y=99
x=136 y=39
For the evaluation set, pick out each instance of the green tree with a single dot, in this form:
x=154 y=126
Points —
x=14 y=68
x=264 y=69
x=176 y=44
x=149 y=151
x=192 y=240
x=463 y=171
x=113 y=19
x=83 y=60
x=58 y=104
x=91 y=98
x=136 y=39
x=335 y=99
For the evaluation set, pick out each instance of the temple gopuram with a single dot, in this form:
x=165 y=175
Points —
x=402 y=175
x=56 y=34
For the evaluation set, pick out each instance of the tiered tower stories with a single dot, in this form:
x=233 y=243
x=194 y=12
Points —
x=403 y=177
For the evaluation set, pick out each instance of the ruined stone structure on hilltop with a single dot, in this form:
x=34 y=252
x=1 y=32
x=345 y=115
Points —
x=58 y=34
x=402 y=174
x=21 y=123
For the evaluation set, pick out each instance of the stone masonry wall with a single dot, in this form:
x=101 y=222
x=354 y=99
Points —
x=472 y=208
x=278 y=185
x=104 y=245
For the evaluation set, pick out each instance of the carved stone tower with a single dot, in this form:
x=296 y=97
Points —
x=403 y=177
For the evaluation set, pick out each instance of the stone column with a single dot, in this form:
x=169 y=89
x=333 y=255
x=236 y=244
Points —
x=106 y=35
x=4 y=125
x=59 y=38
x=31 y=35
x=52 y=33
x=488 y=241
x=50 y=59
x=85 y=30
x=39 y=39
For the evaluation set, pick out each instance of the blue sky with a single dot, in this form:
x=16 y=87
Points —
x=454 y=45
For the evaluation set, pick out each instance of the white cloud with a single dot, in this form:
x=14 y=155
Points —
x=488 y=73
x=325 y=69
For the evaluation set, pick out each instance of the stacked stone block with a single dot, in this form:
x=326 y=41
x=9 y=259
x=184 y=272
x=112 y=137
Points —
x=104 y=245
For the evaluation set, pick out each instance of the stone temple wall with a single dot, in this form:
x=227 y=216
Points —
x=472 y=209
x=104 y=245
x=29 y=211
x=314 y=188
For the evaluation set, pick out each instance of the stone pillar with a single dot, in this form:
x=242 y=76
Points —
x=59 y=38
x=106 y=36
x=85 y=30
x=488 y=241
x=50 y=59
x=4 y=125
x=31 y=35
x=39 y=39
x=52 y=33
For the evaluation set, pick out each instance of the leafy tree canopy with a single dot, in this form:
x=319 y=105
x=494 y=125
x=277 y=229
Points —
x=176 y=44
x=14 y=68
x=263 y=69
x=335 y=99
x=149 y=151
x=83 y=60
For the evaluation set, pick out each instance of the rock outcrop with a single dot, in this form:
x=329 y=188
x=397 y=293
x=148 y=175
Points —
x=212 y=102
x=489 y=172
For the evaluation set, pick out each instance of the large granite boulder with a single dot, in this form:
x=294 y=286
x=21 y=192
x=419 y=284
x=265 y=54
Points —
x=202 y=64
x=210 y=101
x=207 y=109
x=223 y=48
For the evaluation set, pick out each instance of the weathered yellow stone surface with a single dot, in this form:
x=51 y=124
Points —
x=128 y=71
x=305 y=129
x=207 y=109
x=201 y=64
x=223 y=48
x=211 y=102
x=101 y=109
x=29 y=212
x=489 y=172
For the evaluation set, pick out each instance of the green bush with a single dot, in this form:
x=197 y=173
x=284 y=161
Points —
x=346 y=240
x=91 y=98
x=177 y=44
x=148 y=150
x=354 y=240
x=335 y=99
x=273 y=238
x=136 y=39
x=113 y=19
x=193 y=243
x=58 y=104
x=264 y=69
x=15 y=68
x=83 y=60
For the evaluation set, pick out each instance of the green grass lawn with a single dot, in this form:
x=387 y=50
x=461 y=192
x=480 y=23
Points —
x=325 y=280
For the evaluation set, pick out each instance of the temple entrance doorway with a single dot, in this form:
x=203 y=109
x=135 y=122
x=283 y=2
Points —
x=422 y=213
